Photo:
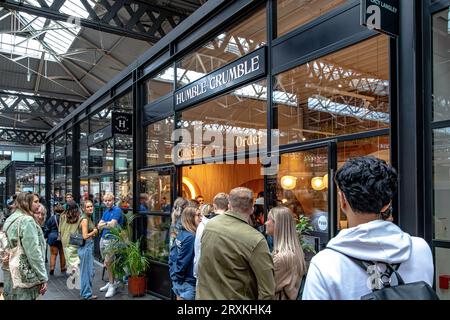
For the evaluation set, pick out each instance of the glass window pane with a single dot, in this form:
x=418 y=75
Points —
x=158 y=237
x=228 y=46
x=159 y=144
x=84 y=191
x=124 y=191
x=159 y=85
x=441 y=183
x=124 y=152
x=301 y=185
x=294 y=13
x=155 y=192
x=100 y=120
x=441 y=65
x=242 y=113
x=84 y=158
x=378 y=147
x=342 y=93
x=124 y=103
x=442 y=269
x=101 y=157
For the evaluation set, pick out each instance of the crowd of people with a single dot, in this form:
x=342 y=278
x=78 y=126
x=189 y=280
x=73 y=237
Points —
x=28 y=229
x=225 y=249
x=219 y=251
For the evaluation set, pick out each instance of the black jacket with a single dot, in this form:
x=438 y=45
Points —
x=51 y=229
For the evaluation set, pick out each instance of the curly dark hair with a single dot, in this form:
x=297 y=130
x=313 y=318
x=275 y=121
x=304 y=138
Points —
x=72 y=212
x=368 y=183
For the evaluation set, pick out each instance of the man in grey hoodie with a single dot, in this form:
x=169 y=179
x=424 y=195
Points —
x=366 y=188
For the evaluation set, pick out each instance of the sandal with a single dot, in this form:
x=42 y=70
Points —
x=93 y=297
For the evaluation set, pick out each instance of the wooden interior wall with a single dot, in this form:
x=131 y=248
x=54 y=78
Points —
x=214 y=178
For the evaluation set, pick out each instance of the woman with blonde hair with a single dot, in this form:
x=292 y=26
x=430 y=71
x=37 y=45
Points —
x=288 y=257
x=22 y=229
x=181 y=259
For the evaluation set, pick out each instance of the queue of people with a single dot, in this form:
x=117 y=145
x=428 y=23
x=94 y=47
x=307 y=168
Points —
x=226 y=250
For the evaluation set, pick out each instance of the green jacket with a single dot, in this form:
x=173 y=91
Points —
x=33 y=244
x=235 y=263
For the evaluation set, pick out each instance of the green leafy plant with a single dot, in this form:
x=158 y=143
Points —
x=303 y=227
x=128 y=256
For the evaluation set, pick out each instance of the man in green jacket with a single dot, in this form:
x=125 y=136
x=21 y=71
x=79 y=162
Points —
x=235 y=262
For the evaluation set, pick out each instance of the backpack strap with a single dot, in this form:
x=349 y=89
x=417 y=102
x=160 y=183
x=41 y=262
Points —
x=385 y=276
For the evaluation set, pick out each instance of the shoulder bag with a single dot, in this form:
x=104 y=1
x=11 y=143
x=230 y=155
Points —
x=76 y=238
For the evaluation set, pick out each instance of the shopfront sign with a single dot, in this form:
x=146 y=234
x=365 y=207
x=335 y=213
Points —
x=100 y=136
x=251 y=66
x=381 y=15
x=122 y=123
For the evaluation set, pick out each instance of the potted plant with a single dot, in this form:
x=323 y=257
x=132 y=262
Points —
x=128 y=257
x=303 y=227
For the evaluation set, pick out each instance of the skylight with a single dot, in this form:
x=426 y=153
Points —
x=58 y=36
x=318 y=103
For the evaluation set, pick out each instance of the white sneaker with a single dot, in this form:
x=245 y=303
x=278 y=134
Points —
x=111 y=292
x=105 y=287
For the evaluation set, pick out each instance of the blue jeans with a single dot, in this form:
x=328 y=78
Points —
x=86 y=268
x=184 y=290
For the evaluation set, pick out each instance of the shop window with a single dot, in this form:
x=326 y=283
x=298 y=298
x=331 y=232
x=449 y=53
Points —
x=441 y=183
x=84 y=129
x=226 y=47
x=155 y=197
x=158 y=237
x=84 y=191
x=5 y=155
x=294 y=13
x=60 y=172
x=441 y=65
x=155 y=192
x=159 y=85
x=301 y=184
x=101 y=157
x=84 y=158
x=100 y=120
x=159 y=145
x=378 y=147
x=343 y=93
x=124 y=191
x=124 y=103
x=240 y=115
x=124 y=152
x=442 y=272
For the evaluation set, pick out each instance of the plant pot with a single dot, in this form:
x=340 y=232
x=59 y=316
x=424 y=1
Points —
x=136 y=286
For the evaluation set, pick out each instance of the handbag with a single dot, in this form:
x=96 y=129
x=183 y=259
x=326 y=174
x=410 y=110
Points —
x=19 y=266
x=76 y=238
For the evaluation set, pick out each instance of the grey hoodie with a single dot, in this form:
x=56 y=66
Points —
x=332 y=275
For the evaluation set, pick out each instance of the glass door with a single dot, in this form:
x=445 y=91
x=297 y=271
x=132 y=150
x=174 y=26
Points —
x=154 y=207
x=303 y=185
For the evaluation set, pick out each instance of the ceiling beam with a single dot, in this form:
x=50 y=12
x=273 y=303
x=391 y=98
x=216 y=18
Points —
x=93 y=21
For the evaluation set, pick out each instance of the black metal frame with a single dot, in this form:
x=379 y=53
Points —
x=429 y=9
x=410 y=138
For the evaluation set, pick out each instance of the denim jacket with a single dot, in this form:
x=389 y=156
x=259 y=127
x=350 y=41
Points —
x=181 y=259
x=33 y=244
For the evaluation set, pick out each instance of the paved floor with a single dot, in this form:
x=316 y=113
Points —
x=58 y=288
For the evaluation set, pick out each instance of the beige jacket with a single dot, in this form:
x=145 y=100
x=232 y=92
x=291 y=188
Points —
x=287 y=280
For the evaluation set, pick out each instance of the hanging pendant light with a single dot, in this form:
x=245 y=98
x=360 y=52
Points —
x=288 y=182
x=317 y=183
